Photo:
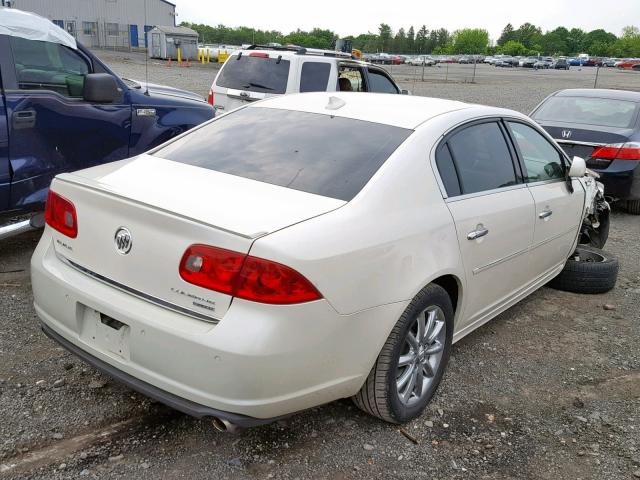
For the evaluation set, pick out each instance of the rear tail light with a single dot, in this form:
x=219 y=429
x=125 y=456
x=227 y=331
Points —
x=618 y=151
x=210 y=97
x=60 y=214
x=244 y=276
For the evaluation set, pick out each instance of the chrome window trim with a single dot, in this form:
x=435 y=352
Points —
x=136 y=293
x=484 y=193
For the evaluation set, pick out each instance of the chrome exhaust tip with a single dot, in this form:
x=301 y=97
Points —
x=222 y=425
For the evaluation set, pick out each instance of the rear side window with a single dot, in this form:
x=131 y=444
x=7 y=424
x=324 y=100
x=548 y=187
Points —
x=321 y=154
x=541 y=160
x=380 y=83
x=258 y=74
x=314 y=76
x=48 y=66
x=482 y=159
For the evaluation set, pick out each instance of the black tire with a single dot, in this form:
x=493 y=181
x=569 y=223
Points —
x=379 y=396
x=633 y=207
x=589 y=270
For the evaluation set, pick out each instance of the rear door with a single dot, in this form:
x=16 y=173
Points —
x=250 y=76
x=558 y=209
x=493 y=214
x=52 y=128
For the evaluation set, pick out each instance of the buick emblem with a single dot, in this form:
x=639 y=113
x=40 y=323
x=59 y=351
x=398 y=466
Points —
x=566 y=133
x=123 y=241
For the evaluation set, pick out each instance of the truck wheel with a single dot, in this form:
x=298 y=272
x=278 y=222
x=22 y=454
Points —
x=412 y=361
x=588 y=270
x=633 y=207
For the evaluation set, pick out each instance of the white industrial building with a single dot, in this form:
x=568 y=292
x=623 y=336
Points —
x=103 y=23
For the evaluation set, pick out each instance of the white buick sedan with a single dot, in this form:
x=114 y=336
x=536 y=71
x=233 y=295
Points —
x=304 y=249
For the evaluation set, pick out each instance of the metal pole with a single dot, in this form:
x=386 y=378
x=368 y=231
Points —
x=473 y=80
x=446 y=77
x=595 y=83
x=423 y=65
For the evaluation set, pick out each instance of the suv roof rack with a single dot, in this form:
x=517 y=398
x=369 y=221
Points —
x=301 y=50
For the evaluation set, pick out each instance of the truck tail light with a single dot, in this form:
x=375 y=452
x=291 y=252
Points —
x=210 y=97
x=618 y=151
x=60 y=214
x=244 y=276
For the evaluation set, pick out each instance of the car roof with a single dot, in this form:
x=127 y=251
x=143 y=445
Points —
x=297 y=52
x=404 y=111
x=600 y=93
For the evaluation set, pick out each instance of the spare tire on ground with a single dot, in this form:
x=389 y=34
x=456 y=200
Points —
x=588 y=270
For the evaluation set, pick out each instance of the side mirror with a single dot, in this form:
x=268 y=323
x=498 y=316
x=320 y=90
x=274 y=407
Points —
x=578 y=168
x=100 y=88
x=405 y=92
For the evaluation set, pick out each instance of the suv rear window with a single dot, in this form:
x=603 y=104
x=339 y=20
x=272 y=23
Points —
x=321 y=154
x=605 y=112
x=258 y=74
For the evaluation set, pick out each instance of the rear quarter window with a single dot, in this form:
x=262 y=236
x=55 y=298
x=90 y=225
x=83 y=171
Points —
x=244 y=72
x=321 y=154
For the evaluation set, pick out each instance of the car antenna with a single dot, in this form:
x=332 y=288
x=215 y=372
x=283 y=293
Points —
x=146 y=56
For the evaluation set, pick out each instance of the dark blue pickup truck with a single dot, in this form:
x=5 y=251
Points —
x=62 y=109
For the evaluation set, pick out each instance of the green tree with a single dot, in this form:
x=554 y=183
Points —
x=574 y=41
x=508 y=33
x=598 y=36
x=513 y=47
x=528 y=34
x=411 y=40
x=421 y=39
x=470 y=40
x=384 y=32
x=400 y=42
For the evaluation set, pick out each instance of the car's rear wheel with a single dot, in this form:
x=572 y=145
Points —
x=588 y=270
x=410 y=366
x=633 y=207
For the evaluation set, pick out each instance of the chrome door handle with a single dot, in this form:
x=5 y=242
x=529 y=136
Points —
x=481 y=232
x=545 y=214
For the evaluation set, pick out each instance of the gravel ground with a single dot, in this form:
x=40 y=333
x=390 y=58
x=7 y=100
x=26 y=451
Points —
x=549 y=389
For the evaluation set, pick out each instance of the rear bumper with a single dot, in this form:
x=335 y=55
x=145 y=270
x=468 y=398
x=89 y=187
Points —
x=259 y=361
x=173 y=401
x=621 y=179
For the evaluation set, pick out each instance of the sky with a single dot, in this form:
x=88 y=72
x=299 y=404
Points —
x=351 y=18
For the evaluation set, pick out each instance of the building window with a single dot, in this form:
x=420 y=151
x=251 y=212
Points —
x=112 y=29
x=89 y=28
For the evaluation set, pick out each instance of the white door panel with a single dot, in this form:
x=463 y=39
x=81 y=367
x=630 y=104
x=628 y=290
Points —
x=496 y=262
x=557 y=220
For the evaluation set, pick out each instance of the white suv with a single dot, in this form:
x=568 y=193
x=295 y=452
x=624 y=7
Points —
x=260 y=72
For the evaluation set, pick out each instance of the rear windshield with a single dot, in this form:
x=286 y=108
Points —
x=603 y=112
x=330 y=156
x=257 y=74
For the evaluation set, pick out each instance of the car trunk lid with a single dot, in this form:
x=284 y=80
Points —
x=582 y=141
x=167 y=206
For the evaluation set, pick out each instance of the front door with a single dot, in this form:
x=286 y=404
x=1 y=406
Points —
x=52 y=129
x=492 y=211
x=558 y=213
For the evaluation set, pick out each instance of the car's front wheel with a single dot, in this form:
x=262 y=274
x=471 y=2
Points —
x=410 y=366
